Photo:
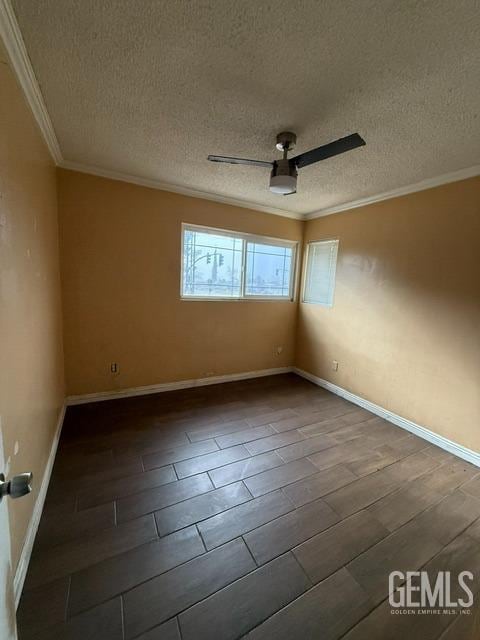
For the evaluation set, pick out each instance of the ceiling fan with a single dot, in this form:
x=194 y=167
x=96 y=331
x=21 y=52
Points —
x=283 y=177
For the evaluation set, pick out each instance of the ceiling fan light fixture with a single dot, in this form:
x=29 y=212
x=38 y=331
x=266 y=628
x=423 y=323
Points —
x=283 y=185
x=283 y=179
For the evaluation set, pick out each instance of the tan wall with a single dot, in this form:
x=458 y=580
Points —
x=405 y=325
x=31 y=367
x=120 y=256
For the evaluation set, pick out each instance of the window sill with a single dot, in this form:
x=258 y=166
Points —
x=229 y=299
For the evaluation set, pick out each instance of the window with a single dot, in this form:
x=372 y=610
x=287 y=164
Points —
x=320 y=272
x=224 y=264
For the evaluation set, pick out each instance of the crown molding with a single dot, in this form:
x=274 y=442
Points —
x=17 y=53
x=167 y=186
x=430 y=183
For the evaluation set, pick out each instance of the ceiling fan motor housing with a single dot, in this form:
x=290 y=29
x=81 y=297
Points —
x=283 y=179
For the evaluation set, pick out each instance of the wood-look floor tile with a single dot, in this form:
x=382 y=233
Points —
x=248 y=410
x=170 y=456
x=147 y=444
x=210 y=461
x=356 y=416
x=155 y=601
x=472 y=487
x=274 y=442
x=361 y=493
x=474 y=530
x=411 y=467
x=49 y=599
x=405 y=505
x=218 y=429
x=56 y=506
x=108 y=491
x=160 y=497
x=325 y=400
x=464 y=627
x=82 y=465
x=279 y=476
x=305 y=447
x=244 y=468
x=378 y=459
x=330 y=550
x=408 y=444
x=58 y=529
x=241 y=606
x=325 y=426
x=450 y=516
x=386 y=454
x=405 y=550
x=121 y=573
x=414 y=544
x=104 y=621
x=59 y=561
x=346 y=433
x=201 y=507
x=167 y=631
x=246 y=435
x=459 y=555
x=368 y=489
x=341 y=454
x=287 y=424
x=440 y=454
x=334 y=411
x=381 y=624
x=380 y=431
x=448 y=477
x=67 y=482
x=288 y=531
x=399 y=507
x=326 y=611
x=266 y=418
x=243 y=518
x=318 y=485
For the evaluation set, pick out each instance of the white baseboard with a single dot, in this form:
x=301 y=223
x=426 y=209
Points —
x=452 y=447
x=23 y=563
x=173 y=386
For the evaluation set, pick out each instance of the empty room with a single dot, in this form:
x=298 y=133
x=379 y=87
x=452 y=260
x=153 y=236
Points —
x=225 y=414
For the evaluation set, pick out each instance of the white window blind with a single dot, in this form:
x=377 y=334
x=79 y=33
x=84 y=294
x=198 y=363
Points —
x=320 y=272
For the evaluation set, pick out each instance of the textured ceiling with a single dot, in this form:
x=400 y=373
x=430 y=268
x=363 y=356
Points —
x=149 y=88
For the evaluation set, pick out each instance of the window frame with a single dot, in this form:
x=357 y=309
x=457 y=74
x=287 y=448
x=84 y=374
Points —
x=305 y=272
x=246 y=238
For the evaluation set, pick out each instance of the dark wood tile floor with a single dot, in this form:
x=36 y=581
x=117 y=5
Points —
x=268 y=508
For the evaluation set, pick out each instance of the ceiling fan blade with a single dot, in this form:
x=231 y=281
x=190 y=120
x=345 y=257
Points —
x=328 y=150
x=253 y=163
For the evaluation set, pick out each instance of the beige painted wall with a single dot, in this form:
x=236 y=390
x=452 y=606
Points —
x=120 y=258
x=31 y=367
x=405 y=325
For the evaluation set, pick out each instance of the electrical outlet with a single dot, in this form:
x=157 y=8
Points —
x=114 y=368
x=278 y=350
x=334 y=365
